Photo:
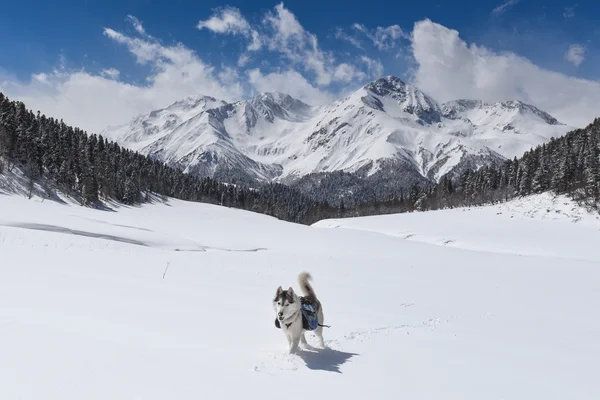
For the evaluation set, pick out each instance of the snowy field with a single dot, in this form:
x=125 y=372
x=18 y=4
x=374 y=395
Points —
x=172 y=301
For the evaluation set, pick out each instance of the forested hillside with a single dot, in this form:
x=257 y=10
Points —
x=566 y=165
x=93 y=168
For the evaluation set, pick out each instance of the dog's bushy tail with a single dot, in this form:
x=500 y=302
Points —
x=306 y=288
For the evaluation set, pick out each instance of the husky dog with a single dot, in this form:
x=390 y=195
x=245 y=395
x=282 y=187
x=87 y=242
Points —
x=288 y=306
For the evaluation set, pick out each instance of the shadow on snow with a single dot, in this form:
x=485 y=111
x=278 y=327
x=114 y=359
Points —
x=326 y=359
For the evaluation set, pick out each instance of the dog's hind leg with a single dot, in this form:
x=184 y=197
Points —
x=319 y=333
x=319 y=330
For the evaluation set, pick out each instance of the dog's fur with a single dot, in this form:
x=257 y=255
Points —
x=287 y=305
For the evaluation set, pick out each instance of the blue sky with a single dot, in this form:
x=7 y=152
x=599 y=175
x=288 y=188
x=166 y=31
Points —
x=96 y=63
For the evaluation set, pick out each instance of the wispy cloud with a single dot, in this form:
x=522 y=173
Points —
x=291 y=59
x=230 y=20
x=383 y=38
x=137 y=24
x=342 y=35
x=502 y=8
x=111 y=73
x=93 y=101
x=288 y=37
x=569 y=12
x=374 y=67
x=290 y=82
x=280 y=32
x=575 y=54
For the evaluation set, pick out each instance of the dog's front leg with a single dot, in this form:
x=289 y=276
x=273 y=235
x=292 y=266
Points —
x=303 y=339
x=294 y=345
x=288 y=336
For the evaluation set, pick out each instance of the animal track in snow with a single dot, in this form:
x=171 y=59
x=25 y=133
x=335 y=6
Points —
x=431 y=323
x=278 y=362
x=362 y=335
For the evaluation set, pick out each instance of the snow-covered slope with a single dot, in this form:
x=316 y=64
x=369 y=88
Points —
x=150 y=127
x=172 y=301
x=385 y=124
x=510 y=128
x=504 y=227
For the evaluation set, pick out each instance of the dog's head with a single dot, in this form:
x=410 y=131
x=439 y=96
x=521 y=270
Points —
x=285 y=303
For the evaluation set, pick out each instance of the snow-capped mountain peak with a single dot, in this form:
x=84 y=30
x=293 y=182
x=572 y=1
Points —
x=386 y=125
x=273 y=105
x=149 y=127
x=195 y=102
x=279 y=99
x=460 y=108
x=405 y=96
x=454 y=109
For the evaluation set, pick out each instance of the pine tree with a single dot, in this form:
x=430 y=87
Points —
x=591 y=171
x=540 y=182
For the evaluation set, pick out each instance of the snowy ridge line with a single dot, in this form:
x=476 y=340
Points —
x=383 y=126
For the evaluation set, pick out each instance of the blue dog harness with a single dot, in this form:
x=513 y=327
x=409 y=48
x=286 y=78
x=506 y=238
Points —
x=310 y=319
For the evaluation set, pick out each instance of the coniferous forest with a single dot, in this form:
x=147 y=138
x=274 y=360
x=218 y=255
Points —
x=568 y=165
x=92 y=168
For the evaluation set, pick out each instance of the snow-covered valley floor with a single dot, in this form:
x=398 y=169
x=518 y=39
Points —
x=173 y=301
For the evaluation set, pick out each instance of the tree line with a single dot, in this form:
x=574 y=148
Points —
x=568 y=165
x=93 y=168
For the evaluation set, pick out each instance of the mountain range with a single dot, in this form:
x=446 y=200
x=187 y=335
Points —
x=388 y=131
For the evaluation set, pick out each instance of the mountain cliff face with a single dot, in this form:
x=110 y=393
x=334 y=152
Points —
x=386 y=129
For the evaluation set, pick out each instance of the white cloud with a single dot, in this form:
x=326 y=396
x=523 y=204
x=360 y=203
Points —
x=256 y=42
x=93 y=101
x=448 y=68
x=285 y=24
x=230 y=20
x=137 y=24
x=42 y=77
x=340 y=34
x=290 y=39
x=281 y=32
x=444 y=66
x=243 y=60
x=111 y=73
x=383 y=38
x=226 y=20
x=502 y=8
x=387 y=37
x=374 y=67
x=575 y=55
x=348 y=73
x=229 y=76
x=290 y=82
